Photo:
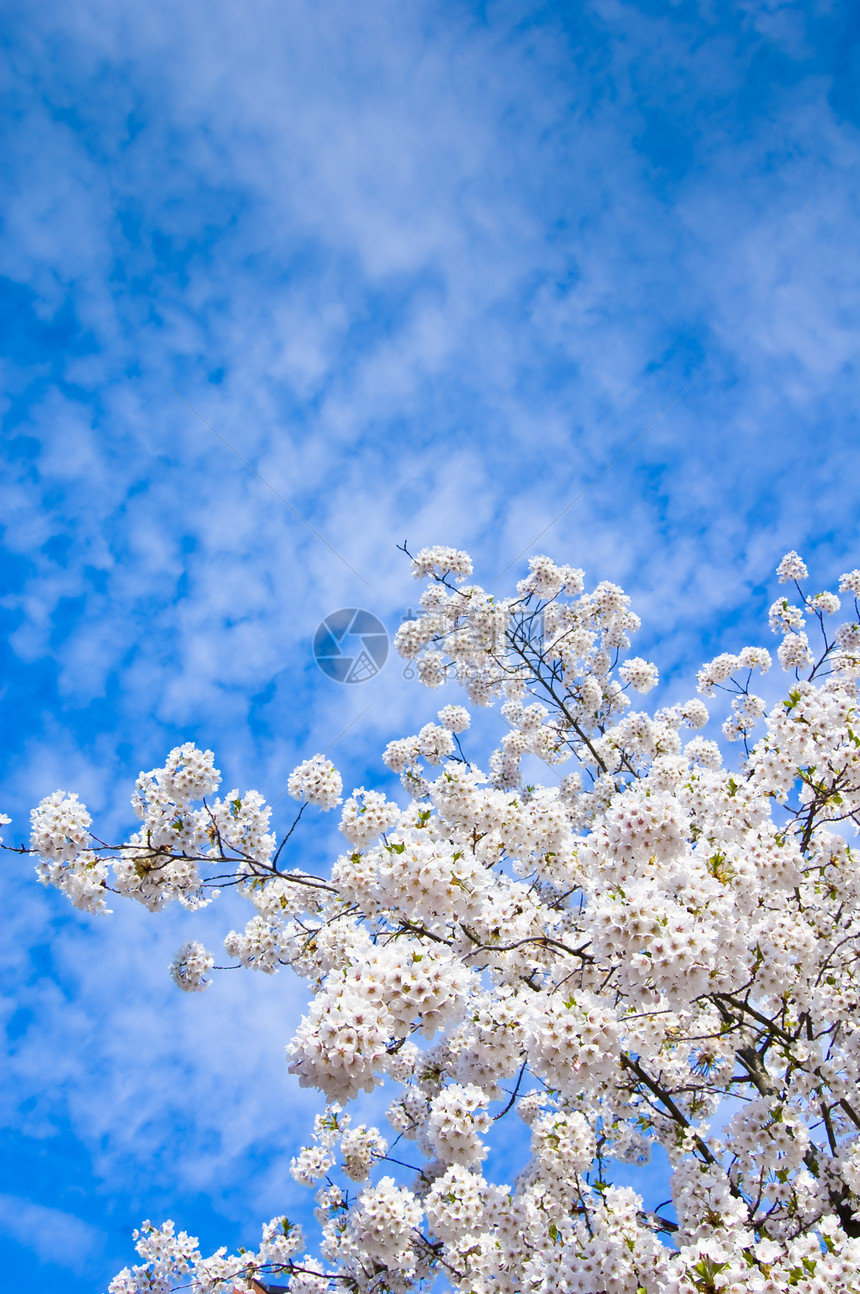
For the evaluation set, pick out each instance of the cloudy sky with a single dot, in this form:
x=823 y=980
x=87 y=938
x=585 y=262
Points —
x=428 y=269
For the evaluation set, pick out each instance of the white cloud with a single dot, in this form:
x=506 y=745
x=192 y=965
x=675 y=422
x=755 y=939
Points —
x=55 y=1236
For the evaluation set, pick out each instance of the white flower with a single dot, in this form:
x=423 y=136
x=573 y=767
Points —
x=850 y=583
x=440 y=561
x=312 y=1163
x=360 y=1147
x=455 y=718
x=455 y=1204
x=694 y=713
x=794 y=652
x=190 y=967
x=339 y=1046
x=435 y=743
x=784 y=617
x=640 y=674
x=384 y=1221
x=60 y=827
x=316 y=781
x=457 y=1121
x=755 y=658
x=827 y=603
x=366 y=816
x=791 y=568
x=717 y=672
x=546 y=579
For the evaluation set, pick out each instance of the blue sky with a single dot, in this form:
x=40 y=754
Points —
x=429 y=268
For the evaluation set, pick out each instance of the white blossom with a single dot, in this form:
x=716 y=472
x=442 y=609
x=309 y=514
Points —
x=440 y=560
x=658 y=952
x=455 y=718
x=59 y=828
x=639 y=673
x=190 y=967
x=850 y=583
x=791 y=568
x=316 y=781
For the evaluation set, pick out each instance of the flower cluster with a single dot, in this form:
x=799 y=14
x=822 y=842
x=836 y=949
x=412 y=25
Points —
x=317 y=781
x=59 y=837
x=172 y=1259
x=440 y=561
x=191 y=966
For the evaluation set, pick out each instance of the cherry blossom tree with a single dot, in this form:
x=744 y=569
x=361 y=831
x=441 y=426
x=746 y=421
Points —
x=650 y=949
